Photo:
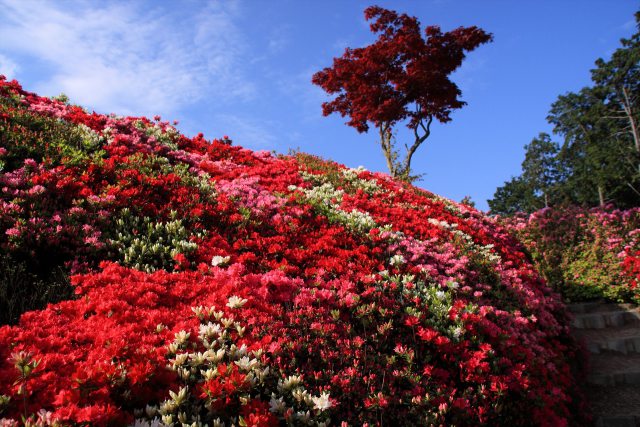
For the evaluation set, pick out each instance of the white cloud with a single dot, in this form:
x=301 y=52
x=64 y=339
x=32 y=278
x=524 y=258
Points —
x=8 y=67
x=128 y=57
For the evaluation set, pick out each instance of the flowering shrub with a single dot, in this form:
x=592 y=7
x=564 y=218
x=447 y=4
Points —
x=631 y=269
x=225 y=381
x=343 y=297
x=584 y=253
x=148 y=246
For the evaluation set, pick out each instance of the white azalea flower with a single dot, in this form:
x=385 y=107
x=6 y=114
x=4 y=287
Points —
x=210 y=330
x=236 y=302
x=292 y=381
x=156 y=422
x=220 y=261
x=277 y=406
x=182 y=337
x=397 y=259
x=322 y=402
x=245 y=363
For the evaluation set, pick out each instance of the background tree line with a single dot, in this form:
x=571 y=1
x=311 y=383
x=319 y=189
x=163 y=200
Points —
x=598 y=159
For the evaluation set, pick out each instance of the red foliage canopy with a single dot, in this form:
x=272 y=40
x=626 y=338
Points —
x=400 y=76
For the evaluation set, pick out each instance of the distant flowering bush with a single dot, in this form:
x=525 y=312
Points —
x=214 y=285
x=584 y=253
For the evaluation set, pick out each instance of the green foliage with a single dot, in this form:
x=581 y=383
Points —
x=29 y=135
x=620 y=80
x=25 y=286
x=62 y=98
x=149 y=246
x=596 y=160
x=165 y=137
x=589 y=274
x=540 y=167
x=330 y=170
x=466 y=200
x=514 y=196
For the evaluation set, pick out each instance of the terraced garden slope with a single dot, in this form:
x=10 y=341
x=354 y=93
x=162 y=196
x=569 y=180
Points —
x=215 y=285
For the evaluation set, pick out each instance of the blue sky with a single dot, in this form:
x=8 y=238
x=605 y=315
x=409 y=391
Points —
x=243 y=68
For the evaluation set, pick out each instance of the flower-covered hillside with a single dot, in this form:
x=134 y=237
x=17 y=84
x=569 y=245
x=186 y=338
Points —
x=585 y=253
x=215 y=285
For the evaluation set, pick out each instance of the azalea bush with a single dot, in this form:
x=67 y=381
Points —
x=216 y=285
x=584 y=253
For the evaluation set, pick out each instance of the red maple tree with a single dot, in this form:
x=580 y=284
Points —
x=401 y=76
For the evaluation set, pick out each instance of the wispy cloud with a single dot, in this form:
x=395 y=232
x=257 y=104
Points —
x=8 y=67
x=127 y=57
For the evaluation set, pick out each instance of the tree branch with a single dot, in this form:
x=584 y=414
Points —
x=406 y=169
x=633 y=188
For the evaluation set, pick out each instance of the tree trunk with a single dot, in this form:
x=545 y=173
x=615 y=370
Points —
x=601 y=195
x=387 y=148
x=628 y=109
x=396 y=168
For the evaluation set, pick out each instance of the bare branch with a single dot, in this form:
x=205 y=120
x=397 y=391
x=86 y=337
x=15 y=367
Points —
x=615 y=117
x=418 y=141
x=633 y=188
